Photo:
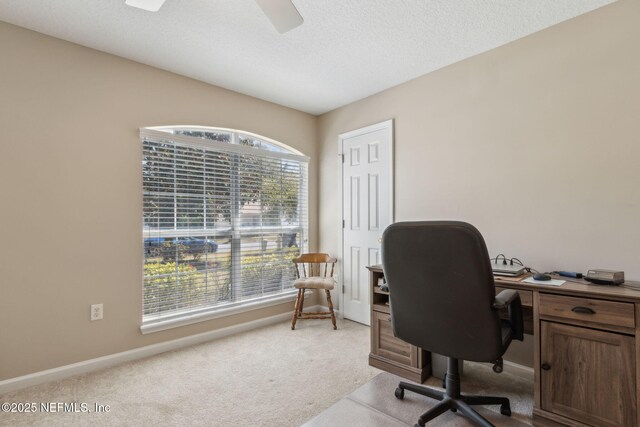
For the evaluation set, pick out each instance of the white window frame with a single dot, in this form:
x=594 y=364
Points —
x=236 y=230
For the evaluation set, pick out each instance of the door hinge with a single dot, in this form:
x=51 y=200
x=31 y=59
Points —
x=342 y=155
x=343 y=223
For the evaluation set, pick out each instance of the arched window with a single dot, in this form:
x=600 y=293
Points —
x=224 y=213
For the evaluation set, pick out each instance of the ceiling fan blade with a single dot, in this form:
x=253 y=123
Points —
x=282 y=14
x=150 y=5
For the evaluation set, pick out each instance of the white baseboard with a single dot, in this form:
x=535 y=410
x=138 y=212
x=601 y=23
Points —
x=90 y=365
x=509 y=367
x=103 y=362
x=337 y=312
x=514 y=369
x=518 y=370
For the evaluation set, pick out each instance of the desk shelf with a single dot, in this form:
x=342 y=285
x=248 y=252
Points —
x=380 y=300
x=377 y=290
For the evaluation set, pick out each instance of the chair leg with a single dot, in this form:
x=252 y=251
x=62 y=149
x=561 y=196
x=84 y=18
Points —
x=295 y=311
x=420 y=389
x=333 y=315
x=301 y=306
x=505 y=405
x=437 y=410
x=484 y=400
x=470 y=413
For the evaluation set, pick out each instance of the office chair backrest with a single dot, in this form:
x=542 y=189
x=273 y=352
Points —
x=441 y=289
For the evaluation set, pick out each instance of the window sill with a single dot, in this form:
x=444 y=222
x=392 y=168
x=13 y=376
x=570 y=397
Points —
x=189 y=318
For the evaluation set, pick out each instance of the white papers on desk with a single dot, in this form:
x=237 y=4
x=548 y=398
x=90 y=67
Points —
x=552 y=282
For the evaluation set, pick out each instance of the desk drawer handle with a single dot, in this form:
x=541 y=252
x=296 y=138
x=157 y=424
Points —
x=583 y=310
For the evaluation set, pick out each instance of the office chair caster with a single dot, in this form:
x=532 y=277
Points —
x=399 y=393
x=497 y=367
x=505 y=409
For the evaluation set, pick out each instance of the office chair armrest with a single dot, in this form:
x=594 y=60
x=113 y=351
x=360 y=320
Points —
x=510 y=299
x=504 y=298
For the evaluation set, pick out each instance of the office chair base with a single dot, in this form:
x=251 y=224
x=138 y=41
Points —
x=452 y=400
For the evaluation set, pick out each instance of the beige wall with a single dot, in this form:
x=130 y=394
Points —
x=71 y=193
x=551 y=120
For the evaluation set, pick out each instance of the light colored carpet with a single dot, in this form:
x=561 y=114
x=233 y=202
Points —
x=271 y=376
x=267 y=377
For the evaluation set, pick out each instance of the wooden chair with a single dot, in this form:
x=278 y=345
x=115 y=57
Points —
x=313 y=271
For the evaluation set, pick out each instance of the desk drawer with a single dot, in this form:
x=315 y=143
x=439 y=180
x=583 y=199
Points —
x=388 y=346
x=526 y=297
x=587 y=311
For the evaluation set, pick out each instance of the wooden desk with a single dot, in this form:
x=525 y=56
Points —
x=586 y=350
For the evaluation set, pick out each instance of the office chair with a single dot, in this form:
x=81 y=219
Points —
x=442 y=299
x=313 y=271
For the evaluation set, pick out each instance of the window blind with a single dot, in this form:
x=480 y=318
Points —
x=224 y=213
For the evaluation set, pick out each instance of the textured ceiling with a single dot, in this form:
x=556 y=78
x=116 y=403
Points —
x=344 y=51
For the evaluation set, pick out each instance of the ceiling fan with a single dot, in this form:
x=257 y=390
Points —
x=282 y=13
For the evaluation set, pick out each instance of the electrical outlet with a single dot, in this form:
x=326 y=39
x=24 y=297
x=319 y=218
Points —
x=96 y=311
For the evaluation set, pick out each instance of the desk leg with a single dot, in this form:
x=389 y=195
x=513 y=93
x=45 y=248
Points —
x=637 y=363
x=536 y=350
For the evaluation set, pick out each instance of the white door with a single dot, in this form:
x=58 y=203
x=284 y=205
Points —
x=367 y=206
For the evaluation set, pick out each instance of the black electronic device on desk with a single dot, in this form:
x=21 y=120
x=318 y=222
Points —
x=605 y=277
